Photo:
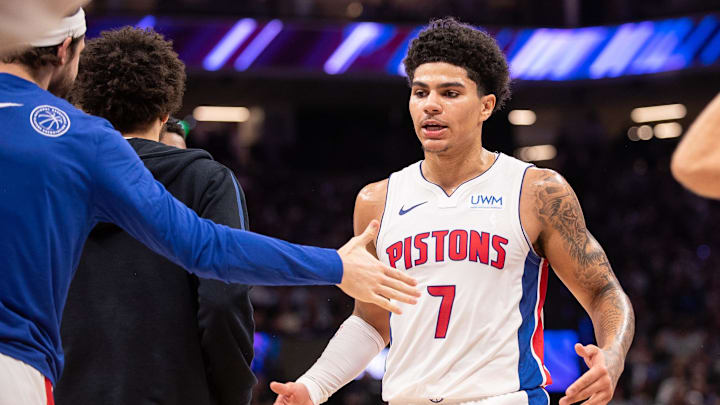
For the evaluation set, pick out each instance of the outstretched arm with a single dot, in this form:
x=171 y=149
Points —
x=696 y=161
x=581 y=264
x=127 y=195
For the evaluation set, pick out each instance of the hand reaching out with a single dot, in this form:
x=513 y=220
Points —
x=291 y=394
x=597 y=385
x=366 y=279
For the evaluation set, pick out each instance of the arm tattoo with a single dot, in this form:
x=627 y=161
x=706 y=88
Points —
x=559 y=210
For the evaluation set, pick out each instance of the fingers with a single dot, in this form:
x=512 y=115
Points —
x=598 y=390
x=399 y=284
x=401 y=276
x=584 y=381
x=587 y=353
x=281 y=389
x=384 y=303
x=394 y=294
x=369 y=234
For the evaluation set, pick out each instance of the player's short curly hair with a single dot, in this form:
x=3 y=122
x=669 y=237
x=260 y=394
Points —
x=130 y=77
x=447 y=40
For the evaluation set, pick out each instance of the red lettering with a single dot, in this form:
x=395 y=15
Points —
x=439 y=245
x=422 y=247
x=479 y=247
x=458 y=245
x=394 y=253
x=497 y=244
x=408 y=253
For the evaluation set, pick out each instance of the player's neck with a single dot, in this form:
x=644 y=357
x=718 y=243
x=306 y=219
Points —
x=151 y=133
x=449 y=170
x=42 y=79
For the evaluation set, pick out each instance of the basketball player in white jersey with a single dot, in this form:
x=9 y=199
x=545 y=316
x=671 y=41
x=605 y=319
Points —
x=478 y=230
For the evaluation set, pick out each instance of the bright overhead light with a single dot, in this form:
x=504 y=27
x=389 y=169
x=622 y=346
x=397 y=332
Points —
x=658 y=113
x=667 y=130
x=632 y=134
x=536 y=153
x=221 y=114
x=522 y=117
x=645 y=132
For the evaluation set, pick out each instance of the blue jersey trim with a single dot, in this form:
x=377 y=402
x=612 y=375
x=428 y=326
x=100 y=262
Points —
x=538 y=396
x=530 y=375
x=241 y=214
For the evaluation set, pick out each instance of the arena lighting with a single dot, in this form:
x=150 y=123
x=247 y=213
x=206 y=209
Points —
x=221 y=114
x=667 y=130
x=645 y=132
x=632 y=134
x=536 y=153
x=658 y=113
x=522 y=117
x=258 y=45
x=360 y=36
x=229 y=44
x=147 y=22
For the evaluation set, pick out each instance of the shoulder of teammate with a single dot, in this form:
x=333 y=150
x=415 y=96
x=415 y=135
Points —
x=223 y=199
x=369 y=205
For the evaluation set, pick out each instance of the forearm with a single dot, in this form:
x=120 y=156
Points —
x=696 y=161
x=349 y=352
x=130 y=197
x=614 y=322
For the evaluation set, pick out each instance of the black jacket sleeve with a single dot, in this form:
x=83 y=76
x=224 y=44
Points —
x=225 y=314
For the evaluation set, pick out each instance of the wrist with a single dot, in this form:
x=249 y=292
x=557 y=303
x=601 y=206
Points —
x=313 y=389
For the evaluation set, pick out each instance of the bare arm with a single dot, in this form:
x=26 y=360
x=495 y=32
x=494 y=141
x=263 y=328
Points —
x=369 y=205
x=696 y=161
x=581 y=264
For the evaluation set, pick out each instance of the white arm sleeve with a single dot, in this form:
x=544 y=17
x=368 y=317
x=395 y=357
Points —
x=352 y=348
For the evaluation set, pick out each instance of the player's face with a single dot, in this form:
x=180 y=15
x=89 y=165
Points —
x=446 y=109
x=63 y=79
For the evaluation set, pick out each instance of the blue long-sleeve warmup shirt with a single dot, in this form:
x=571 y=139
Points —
x=63 y=171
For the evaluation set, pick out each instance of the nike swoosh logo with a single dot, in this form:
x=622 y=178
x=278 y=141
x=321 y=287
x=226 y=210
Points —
x=6 y=105
x=405 y=211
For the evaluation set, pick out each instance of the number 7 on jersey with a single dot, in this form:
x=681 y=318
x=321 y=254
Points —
x=447 y=292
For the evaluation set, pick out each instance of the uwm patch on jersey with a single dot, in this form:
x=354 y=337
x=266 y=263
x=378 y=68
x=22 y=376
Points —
x=477 y=329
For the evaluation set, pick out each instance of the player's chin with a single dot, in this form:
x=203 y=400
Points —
x=434 y=145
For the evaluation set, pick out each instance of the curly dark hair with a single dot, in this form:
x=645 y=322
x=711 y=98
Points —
x=130 y=77
x=447 y=40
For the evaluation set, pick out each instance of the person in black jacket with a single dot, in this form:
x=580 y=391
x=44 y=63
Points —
x=135 y=329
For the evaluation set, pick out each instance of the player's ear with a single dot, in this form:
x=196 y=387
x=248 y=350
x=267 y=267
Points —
x=487 y=103
x=63 y=52
x=164 y=118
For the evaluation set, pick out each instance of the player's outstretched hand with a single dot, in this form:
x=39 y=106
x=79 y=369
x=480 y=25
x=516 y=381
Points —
x=368 y=280
x=597 y=384
x=291 y=394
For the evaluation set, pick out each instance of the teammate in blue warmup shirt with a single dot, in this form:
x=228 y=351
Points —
x=63 y=171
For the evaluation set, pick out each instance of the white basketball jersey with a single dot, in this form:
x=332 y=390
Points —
x=477 y=330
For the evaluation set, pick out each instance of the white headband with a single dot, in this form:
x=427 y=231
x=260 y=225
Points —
x=70 y=27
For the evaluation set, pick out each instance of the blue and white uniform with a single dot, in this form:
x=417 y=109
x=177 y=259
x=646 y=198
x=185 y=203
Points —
x=476 y=334
x=63 y=171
